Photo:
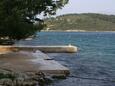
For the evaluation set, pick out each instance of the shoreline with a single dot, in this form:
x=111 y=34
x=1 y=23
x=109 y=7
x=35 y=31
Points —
x=72 y=31
x=29 y=68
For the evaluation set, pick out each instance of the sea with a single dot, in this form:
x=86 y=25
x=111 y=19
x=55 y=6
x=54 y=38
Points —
x=92 y=65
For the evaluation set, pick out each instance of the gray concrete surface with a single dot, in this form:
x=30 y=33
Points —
x=28 y=61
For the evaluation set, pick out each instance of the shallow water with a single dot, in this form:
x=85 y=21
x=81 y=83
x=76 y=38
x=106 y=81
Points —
x=93 y=65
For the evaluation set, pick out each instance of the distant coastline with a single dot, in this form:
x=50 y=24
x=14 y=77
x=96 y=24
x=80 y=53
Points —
x=87 y=22
x=73 y=31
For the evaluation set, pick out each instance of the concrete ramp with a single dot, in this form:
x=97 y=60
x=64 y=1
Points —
x=22 y=61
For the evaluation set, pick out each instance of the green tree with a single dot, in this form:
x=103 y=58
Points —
x=17 y=17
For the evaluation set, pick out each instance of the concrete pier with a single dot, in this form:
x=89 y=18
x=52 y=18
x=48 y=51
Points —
x=31 y=59
x=27 y=61
x=47 y=49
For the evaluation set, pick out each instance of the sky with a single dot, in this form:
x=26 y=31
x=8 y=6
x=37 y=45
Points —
x=89 y=6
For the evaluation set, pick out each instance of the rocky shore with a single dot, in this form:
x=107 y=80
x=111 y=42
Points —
x=10 y=78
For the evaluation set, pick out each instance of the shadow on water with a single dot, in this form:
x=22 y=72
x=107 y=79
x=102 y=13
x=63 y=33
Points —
x=84 y=72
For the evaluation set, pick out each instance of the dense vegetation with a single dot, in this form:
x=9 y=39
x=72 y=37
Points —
x=18 y=17
x=86 y=21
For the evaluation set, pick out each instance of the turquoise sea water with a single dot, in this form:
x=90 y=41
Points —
x=92 y=65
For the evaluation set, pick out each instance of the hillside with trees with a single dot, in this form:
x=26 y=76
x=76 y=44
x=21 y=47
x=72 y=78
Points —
x=82 y=22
